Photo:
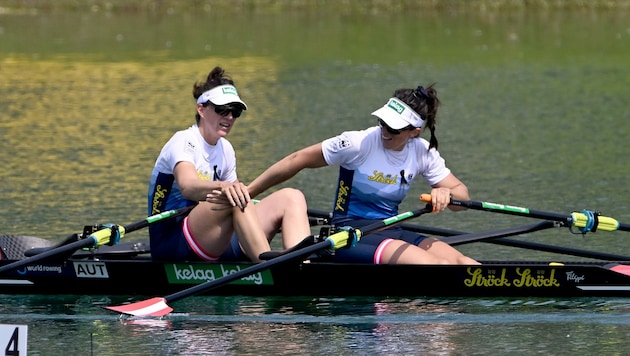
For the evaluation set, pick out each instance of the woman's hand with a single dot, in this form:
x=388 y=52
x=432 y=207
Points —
x=440 y=199
x=230 y=195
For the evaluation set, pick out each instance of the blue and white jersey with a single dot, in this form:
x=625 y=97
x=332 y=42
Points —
x=212 y=162
x=373 y=180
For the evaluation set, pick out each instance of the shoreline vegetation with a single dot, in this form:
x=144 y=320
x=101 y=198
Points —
x=365 y=6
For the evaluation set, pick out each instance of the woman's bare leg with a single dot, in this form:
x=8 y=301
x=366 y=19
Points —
x=286 y=209
x=249 y=231
x=401 y=252
x=445 y=251
x=430 y=251
x=213 y=229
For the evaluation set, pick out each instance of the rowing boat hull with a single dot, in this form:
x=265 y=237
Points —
x=141 y=276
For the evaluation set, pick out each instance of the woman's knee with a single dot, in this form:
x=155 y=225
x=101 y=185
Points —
x=292 y=196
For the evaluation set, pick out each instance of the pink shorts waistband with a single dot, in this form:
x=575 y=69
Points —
x=378 y=255
x=192 y=242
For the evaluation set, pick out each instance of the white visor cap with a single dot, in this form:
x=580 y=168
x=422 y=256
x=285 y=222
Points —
x=398 y=115
x=221 y=95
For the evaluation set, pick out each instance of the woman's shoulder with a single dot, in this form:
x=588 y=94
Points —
x=190 y=132
x=347 y=140
x=225 y=144
x=420 y=145
x=186 y=137
x=370 y=133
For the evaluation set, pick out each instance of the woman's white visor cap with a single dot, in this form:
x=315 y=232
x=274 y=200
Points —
x=221 y=95
x=398 y=115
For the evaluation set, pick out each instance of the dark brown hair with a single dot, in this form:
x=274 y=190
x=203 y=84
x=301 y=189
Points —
x=425 y=102
x=216 y=77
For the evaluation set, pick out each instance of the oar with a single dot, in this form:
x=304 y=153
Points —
x=158 y=306
x=97 y=238
x=510 y=231
x=586 y=221
x=496 y=237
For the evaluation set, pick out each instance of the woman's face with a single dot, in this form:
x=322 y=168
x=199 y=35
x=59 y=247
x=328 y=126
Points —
x=217 y=121
x=396 y=139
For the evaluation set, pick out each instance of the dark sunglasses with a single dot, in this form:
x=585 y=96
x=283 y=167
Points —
x=382 y=123
x=224 y=110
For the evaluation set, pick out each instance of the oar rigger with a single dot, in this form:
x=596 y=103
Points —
x=353 y=237
x=591 y=223
x=109 y=234
x=114 y=236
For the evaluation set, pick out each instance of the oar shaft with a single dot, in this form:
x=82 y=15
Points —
x=500 y=240
x=559 y=249
x=513 y=210
x=511 y=231
x=158 y=306
x=157 y=217
x=505 y=209
x=586 y=221
x=103 y=236
x=84 y=243
x=291 y=256
x=97 y=238
x=334 y=241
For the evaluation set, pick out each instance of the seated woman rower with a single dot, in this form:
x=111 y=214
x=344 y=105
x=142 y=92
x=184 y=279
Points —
x=376 y=168
x=200 y=160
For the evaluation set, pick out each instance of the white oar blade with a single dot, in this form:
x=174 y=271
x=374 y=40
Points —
x=151 y=307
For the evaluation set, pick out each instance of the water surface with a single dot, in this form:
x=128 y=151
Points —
x=534 y=114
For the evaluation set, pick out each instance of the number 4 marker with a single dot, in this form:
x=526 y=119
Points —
x=13 y=339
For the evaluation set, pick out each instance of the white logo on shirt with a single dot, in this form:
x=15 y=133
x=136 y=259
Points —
x=190 y=146
x=341 y=144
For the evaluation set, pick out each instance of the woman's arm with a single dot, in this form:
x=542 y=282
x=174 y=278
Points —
x=447 y=187
x=195 y=189
x=286 y=168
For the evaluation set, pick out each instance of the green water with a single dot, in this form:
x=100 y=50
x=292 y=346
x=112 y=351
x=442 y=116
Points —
x=534 y=114
x=352 y=326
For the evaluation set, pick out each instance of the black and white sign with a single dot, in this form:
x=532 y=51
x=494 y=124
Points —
x=13 y=340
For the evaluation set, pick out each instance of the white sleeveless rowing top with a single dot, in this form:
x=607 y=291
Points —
x=373 y=180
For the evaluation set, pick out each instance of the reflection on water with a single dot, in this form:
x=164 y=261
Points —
x=534 y=114
x=245 y=325
x=533 y=110
x=82 y=136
